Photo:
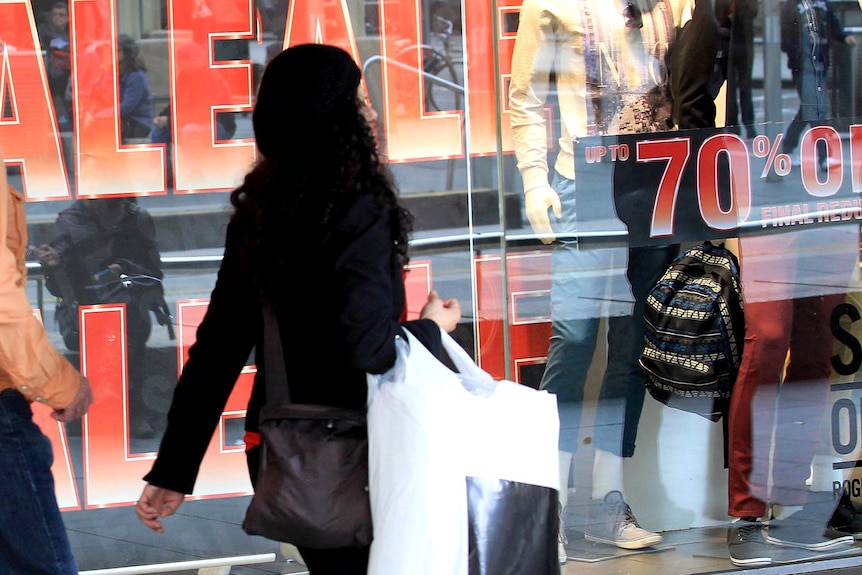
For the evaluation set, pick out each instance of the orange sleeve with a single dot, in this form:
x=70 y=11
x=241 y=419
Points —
x=28 y=362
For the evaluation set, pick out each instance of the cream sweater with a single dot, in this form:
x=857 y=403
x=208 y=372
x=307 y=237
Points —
x=610 y=78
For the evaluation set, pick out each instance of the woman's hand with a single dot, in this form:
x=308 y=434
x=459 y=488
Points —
x=156 y=503
x=445 y=313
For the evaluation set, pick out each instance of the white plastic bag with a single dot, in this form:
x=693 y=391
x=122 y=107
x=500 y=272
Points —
x=511 y=432
x=428 y=437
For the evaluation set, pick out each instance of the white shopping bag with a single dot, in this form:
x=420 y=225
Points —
x=431 y=431
x=509 y=430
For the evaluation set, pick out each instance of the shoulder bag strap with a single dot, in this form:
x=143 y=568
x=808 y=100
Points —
x=275 y=372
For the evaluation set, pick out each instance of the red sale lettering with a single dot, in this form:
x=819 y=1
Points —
x=484 y=80
x=112 y=475
x=104 y=165
x=856 y=157
x=321 y=22
x=731 y=147
x=201 y=89
x=819 y=136
x=190 y=313
x=676 y=152
x=528 y=279
x=28 y=129
x=411 y=131
x=417 y=285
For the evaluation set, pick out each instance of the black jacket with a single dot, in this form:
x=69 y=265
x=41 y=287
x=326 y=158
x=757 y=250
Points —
x=87 y=246
x=827 y=27
x=337 y=319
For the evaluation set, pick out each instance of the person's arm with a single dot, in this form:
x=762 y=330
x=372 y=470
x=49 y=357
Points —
x=28 y=362
x=367 y=286
x=789 y=19
x=532 y=62
x=224 y=340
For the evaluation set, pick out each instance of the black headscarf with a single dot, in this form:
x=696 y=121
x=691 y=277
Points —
x=299 y=90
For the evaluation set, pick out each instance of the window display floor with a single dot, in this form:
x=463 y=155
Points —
x=112 y=537
x=697 y=551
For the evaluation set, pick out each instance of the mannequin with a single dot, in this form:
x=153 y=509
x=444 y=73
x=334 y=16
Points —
x=610 y=64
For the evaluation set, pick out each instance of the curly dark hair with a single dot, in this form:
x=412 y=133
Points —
x=287 y=199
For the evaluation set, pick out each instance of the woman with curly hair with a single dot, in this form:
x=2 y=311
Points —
x=319 y=234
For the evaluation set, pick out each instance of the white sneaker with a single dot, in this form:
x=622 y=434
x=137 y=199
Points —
x=611 y=522
x=561 y=549
x=562 y=539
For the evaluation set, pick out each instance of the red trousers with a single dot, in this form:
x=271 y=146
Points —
x=778 y=401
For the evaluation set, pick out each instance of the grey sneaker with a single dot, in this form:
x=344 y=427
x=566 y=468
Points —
x=801 y=530
x=745 y=543
x=611 y=522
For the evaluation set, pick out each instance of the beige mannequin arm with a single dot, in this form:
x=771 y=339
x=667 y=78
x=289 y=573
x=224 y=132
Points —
x=537 y=202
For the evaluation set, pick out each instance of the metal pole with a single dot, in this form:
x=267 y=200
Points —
x=772 y=62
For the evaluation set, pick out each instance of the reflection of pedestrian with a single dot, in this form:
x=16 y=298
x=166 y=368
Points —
x=54 y=37
x=611 y=77
x=105 y=251
x=740 y=102
x=779 y=398
x=807 y=28
x=320 y=200
x=32 y=535
x=136 y=103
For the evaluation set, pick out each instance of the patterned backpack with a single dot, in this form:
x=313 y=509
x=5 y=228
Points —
x=694 y=330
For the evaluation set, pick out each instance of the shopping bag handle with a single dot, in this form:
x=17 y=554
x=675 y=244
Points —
x=475 y=379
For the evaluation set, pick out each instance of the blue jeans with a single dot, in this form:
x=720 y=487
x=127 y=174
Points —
x=577 y=306
x=813 y=104
x=33 y=539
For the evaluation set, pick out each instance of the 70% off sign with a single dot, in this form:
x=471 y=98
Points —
x=723 y=161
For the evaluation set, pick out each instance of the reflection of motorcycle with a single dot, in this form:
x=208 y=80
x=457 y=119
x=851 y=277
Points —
x=144 y=289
